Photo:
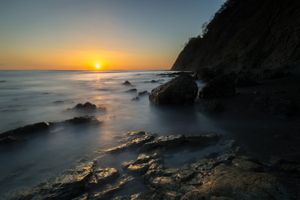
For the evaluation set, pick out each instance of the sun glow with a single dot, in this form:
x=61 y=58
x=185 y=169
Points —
x=98 y=66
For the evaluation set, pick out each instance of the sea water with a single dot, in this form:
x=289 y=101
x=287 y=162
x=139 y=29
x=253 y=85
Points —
x=28 y=97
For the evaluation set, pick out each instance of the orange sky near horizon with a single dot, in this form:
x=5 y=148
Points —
x=86 y=60
x=78 y=34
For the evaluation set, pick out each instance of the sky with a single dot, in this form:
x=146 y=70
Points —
x=109 y=34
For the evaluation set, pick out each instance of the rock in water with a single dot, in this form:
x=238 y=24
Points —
x=127 y=83
x=15 y=135
x=85 y=107
x=221 y=86
x=180 y=90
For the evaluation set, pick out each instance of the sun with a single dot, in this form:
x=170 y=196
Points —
x=98 y=66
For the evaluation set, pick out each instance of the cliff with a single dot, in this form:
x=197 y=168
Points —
x=247 y=35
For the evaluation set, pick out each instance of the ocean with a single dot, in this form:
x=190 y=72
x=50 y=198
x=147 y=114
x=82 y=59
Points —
x=29 y=97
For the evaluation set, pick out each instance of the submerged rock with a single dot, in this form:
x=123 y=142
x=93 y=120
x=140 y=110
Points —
x=135 y=98
x=221 y=86
x=24 y=132
x=133 y=90
x=143 y=93
x=83 y=120
x=180 y=90
x=127 y=83
x=87 y=107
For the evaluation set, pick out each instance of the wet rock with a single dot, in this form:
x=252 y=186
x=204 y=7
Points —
x=165 y=182
x=70 y=186
x=103 y=176
x=149 y=195
x=135 y=99
x=110 y=191
x=82 y=197
x=139 y=168
x=3 y=81
x=143 y=93
x=133 y=90
x=180 y=90
x=246 y=164
x=83 y=120
x=87 y=107
x=126 y=83
x=164 y=142
x=22 y=132
x=141 y=164
x=135 y=140
x=176 y=141
x=58 y=102
x=221 y=86
x=231 y=182
x=155 y=81
x=9 y=139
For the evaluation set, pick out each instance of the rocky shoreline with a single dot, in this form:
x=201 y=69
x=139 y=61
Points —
x=228 y=174
x=219 y=168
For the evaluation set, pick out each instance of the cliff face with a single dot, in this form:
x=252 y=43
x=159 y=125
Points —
x=247 y=35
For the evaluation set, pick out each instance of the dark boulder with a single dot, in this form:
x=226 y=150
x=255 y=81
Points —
x=127 y=83
x=85 y=107
x=180 y=90
x=221 y=86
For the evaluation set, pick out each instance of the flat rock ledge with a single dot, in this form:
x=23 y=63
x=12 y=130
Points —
x=226 y=175
x=23 y=133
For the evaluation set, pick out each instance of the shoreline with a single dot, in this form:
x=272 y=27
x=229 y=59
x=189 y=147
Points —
x=247 y=141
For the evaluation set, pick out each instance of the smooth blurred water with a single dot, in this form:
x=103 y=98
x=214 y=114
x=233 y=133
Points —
x=28 y=97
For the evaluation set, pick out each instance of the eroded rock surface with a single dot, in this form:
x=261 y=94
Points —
x=222 y=175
